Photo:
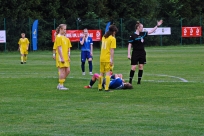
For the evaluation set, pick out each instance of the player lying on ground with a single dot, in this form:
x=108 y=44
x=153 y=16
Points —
x=116 y=82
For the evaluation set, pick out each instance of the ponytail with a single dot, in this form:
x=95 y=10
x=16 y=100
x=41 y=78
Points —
x=112 y=28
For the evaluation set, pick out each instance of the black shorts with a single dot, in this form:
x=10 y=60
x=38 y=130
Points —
x=138 y=57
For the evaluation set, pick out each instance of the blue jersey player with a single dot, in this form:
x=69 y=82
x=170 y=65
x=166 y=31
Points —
x=116 y=82
x=86 y=51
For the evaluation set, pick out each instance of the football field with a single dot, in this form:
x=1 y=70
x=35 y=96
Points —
x=169 y=101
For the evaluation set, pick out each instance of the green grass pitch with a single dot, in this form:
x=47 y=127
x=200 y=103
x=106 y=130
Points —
x=169 y=102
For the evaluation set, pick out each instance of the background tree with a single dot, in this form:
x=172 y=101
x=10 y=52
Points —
x=18 y=15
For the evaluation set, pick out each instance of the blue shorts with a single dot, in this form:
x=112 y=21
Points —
x=85 y=55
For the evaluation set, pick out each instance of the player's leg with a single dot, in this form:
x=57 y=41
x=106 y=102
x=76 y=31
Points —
x=67 y=71
x=93 y=80
x=22 y=58
x=142 y=61
x=22 y=55
x=140 y=72
x=132 y=72
x=134 y=63
x=100 y=79
x=90 y=66
x=25 y=57
x=83 y=60
x=107 y=81
x=90 y=63
x=67 y=68
x=62 y=76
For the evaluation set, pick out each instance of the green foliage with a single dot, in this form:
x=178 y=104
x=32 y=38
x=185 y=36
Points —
x=94 y=14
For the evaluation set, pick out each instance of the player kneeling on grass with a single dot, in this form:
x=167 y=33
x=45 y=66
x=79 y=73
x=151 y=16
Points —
x=116 y=82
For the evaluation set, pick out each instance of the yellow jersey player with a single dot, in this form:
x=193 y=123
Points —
x=23 y=47
x=107 y=56
x=55 y=55
x=63 y=56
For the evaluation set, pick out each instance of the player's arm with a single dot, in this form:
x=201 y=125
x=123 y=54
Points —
x=60 y=53
x=27 y=44
x=112 y=47
x=69 y=49
x=82 y=40
x=158 y=24
x=54 y=53
x=69 y=52
x=112 y=55
x=91 y=45
x=19 y=46
x=129 y=50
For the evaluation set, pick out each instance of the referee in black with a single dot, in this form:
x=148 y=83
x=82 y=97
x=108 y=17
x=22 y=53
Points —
x=138 y=57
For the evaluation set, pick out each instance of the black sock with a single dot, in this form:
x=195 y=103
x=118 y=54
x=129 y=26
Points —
x=91 y=83
x=90 y=66
x=131 y=76
x=83 y=66
x=140 y=72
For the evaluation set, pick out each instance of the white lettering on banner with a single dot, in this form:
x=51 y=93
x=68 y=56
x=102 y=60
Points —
x=68 y=35
x=159 y=31
x=185 y=31
x=98 y=34
x=191 y=31
x=197 y=31
x=34 y=33
x=81 y=34
x=74 y=35
x=91 y=34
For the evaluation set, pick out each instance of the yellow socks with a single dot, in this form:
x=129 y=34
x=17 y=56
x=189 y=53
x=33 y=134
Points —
x=107 y=83
x=22 y=59
x=25 y=58
x=61 y=81
x=100 y=81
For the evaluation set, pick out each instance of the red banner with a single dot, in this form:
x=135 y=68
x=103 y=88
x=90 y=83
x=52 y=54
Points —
x=74 y=35
x=191 y=31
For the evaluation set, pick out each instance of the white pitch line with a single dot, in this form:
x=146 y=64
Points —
x=182 y=79
x=85 y=78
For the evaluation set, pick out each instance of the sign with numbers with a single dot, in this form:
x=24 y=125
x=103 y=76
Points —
x=191 y=31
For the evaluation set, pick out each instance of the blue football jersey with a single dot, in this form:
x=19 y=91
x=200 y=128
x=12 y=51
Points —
x=116 y=84
x=87 y=44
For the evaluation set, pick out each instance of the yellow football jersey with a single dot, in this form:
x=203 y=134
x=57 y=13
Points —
x=69 y=43
x=61 y=41
x=55 y=46
x=23 y=42
x=107 y=44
